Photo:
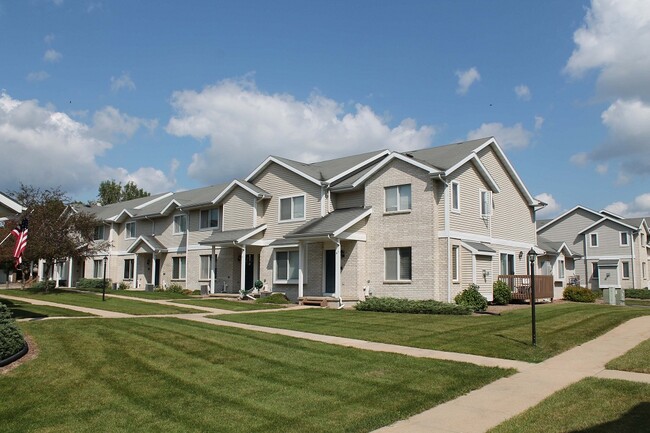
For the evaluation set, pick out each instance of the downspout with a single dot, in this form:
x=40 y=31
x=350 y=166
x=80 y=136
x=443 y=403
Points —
x=587 y=279
x=633 y=260
x=446 y=201
x=338 y=270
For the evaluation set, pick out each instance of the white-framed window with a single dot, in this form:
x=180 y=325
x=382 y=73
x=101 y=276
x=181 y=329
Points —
x=625 y=266
x=398 y=198
x=625 y=239
x=209 y=218
x=486 y=203
x=128 y=269
x=292 y=208
x=180 y=224
x=455 y=263
x=98 y=234
x=593 y=239
x=130 y=230
x=560 y=269
x=397 y=264
x=98 y=270
x=206 y=265
x=455 y=196
x=178 y=268
x=507 y=261
x=594 y=271
x=286 y=266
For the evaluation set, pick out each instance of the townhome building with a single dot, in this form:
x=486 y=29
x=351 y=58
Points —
x=595 y=249
x=422 y=225
x=8 y=208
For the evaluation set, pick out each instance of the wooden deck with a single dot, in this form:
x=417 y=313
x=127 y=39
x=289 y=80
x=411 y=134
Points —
x=520 y=286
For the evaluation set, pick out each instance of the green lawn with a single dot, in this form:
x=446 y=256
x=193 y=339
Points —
x=230 y=305
x=93 y=301
x=165 y=374
x=637 y=359
x=591 y=405
x=24 y=310
x=637 y=302
x=140 y=294
x=559 y=327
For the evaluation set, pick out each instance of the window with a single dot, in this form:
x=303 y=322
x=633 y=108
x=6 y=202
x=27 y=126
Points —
x=398 y=264
x=286 y=266
x=507 y=264
x=455 y=196
x=626 y=269
x=455 y=262
x=130 y=230
x=209 y=218
x=593 y=240
x=398 y=198
x=594 y=271
x=128 y=269
x=98 y=271
x=486 y=203
x=178 y=268
x=180 y=224
x=560 y=269
x=99 y=233
x=292 y=208
x=624 y=239
x=206 y=265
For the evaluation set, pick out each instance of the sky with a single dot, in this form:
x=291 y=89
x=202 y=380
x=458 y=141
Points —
x=177 y=95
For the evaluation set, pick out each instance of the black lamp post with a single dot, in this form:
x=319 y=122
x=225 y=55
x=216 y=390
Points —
x=104 y=285
x=532 y=257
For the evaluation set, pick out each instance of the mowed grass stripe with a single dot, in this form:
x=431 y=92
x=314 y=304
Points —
x=230 y=305
x=25 y=310
x=172 y=375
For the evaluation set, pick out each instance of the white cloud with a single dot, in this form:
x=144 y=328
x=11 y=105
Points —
x=552 y=208
x=48 y=39
x=509 y=137
x=245 y=124
x=150 y=179
x=52 y=56
x=51 y=149
x=539 y=122
x=109 y=123
x=523 y=92
x=57 y=2
x=466 y=79
x=580 y=159
x=37 y=76
x=638 y=207
x=602 y=168
x=124 y=81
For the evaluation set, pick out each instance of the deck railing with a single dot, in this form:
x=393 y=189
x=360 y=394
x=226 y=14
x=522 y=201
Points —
x=520 y=286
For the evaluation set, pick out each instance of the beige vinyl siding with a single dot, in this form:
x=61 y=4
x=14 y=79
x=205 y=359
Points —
x=142 y=227
x=164 y=228
x=193 y=223
x=466 y=268
x=512 y=217
x=469 y=219
x=567 y=229
x=608 y=241
x=238 y=210
x=485 y=284
x=284 y=183
x=348 y=199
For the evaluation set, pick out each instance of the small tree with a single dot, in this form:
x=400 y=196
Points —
x=111 y=191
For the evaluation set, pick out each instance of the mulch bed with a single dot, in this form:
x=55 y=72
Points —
x=31 y=354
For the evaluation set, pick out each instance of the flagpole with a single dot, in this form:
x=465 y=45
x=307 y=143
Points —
x=3 y=241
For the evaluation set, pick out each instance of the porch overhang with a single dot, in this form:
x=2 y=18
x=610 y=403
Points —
x=478 y=248
x=146 y=244
x=338 y=224
x=231 y=237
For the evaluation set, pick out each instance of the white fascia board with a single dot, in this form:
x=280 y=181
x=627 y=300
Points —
x=612 y=214
x=117 y=217
x=476 y=252
x=359 y=237
x=391 y=157
x=169 y=207
x=567 y=213
x=252 y=233
x=602 y=220
x=270 y=160
x=157 y=199
x=137 y=242
x=486 y=174
x=232 y=186
x=11 y=204
x=351 y=223
x=358 y=166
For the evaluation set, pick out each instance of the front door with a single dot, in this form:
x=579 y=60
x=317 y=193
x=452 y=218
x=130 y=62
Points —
x=156 y=274
x=250 y=271
x=330 y=271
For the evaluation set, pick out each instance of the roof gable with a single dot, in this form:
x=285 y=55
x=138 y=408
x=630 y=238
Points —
x=567 y=214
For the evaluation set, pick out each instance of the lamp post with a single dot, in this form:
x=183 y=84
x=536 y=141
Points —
x=532 y=256
x=104 y=284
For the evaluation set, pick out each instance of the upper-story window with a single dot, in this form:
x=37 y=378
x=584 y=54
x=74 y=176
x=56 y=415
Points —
x=130 y=230
x=486 y=203
x=209 y=218
x=98 y=233
x=398 y=198
x=292 y=208
x=455 y=196
x=593 y=239
x=180 y=224
x=625 y=239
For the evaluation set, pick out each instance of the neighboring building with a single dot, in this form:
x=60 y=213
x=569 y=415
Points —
x=8 y=208
x=422 y=224
x=595 y=249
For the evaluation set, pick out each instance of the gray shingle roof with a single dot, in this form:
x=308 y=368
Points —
x=227 y=237
x=328 y=224
x=608 y=263
x=635 y=222
x=481 y=248
x=445 y=157
x=151 y=241
x=110 y=210
x=324 y=170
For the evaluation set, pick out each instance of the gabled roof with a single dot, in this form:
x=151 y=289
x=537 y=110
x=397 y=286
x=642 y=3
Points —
x=478 y=248
x=332 y=224
x=150 y=242
x=553 y=248
x=611 y=214
x=111 y=212
x=566 y=214
x=637 y=222
x=9 y=207
x=605 y=219
x=231 y=236
x=253 y=189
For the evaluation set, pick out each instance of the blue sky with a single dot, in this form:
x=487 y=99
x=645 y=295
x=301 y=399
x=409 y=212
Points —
x=176 y=95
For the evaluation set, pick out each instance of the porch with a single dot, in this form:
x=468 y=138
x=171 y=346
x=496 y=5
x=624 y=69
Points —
x=520 y=286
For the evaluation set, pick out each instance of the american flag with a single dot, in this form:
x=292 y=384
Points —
x=20 y=233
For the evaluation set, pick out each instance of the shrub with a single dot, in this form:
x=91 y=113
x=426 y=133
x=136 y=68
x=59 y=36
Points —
x=273 y=298
x=579 y=294
x=123 y=286
x=400 y=305
x=93 y=283
x=44 y=285
x=175 y=288
x=501 y=293
x=470 y=297
x=188 y=291
x=196 y=292
x=11 y=339
x=637 y=293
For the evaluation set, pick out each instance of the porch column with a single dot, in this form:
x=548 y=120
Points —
x=242 y=281
x=70 y=271
x=153 y=268
x=135 y=271
x=337 y=263
x=213 y=264
x=56 y=274
x=301 y=263
x=41 y=270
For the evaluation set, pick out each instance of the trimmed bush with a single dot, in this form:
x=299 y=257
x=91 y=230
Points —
x=273 y=298
x=470 y=297
x=11 y=339
x=501 y=293
x=93 y=283
x=400 y=305
x=175 y=288
x=123 y=286
x=637 y=293
x=44 y=285
x=188 y=291
x=579 y=294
